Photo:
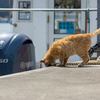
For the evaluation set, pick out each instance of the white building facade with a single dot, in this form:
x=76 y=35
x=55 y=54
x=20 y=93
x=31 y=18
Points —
x=46 y=27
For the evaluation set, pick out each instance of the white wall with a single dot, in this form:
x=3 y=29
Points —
x=6 y=27
x=93 y=16
x=93 y=21
x=23 y=26
x=35 y=29
x=83 y=5
x=39 y=29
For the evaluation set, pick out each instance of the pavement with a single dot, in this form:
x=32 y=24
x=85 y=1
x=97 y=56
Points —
x=53 y=83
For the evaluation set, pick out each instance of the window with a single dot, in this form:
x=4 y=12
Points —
x=67 y=22
x=4 y=16
x=22 y=15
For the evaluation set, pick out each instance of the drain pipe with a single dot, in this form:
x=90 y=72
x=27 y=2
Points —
x=88 y=20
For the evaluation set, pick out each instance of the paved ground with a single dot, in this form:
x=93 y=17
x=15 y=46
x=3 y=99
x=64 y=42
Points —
x=53 y=83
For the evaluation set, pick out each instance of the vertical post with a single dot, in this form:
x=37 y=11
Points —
x=9 y=3
x=85 y=21
x=76 y=20
x=98 y=22
x=9 y=12
x=98 y=19
x=88 y=20
x=64 y=13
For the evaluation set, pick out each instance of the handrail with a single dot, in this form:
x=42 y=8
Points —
x=45 y=9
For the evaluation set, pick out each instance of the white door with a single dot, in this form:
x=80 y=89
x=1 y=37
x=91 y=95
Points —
x=62 y=24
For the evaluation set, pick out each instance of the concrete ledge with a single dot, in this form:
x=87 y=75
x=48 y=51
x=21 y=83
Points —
x=52 y=83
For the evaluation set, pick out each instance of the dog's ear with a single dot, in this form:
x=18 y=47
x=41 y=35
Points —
x=42 y=61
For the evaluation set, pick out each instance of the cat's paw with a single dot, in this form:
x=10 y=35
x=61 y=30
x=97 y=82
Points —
x=58 y=65
x=80 y=65
x=64 y=65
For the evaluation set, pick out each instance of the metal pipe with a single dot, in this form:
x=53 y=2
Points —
x=85 y=21
x=88 y=20
x=9 y=12
x=45 y=9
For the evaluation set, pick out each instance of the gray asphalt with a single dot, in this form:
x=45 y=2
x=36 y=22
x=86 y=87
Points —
x=53 y=83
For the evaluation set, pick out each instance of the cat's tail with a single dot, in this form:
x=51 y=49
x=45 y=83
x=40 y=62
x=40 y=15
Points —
x=96 y=32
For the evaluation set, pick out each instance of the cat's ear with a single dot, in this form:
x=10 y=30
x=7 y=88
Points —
x=42 y=61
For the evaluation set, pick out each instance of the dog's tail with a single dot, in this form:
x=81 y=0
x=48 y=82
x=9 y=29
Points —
x=96 y=32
